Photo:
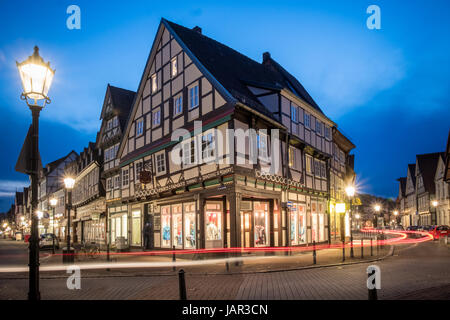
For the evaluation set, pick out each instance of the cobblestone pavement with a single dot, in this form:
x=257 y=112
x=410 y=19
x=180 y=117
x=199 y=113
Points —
x=414 y=272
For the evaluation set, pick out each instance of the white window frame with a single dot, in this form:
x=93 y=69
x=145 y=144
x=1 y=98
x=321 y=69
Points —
x=178 y=105
x=125 y=177
x=307 y=120
x=174 y=67
x=156 y=118
x=160 y=163
x=154 y=83
x=116 y=182
x=138 y=167
x=262 y=145
x=294 y=114
x=291 y=157
x=193 y=97
x=208 y=149
x=139 y=127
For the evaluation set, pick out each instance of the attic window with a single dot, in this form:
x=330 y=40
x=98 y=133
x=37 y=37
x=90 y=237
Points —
x=154 y=83
x=174 y=66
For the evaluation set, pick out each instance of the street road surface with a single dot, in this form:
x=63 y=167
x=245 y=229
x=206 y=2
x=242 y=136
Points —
x=415 y=271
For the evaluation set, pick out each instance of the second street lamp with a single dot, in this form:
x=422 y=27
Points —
x=53 y=203
x=68 y=253
x=350 y=191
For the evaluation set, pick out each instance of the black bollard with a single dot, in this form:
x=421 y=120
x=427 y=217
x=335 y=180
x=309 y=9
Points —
x=372 y=292
x=182 y=285
x=362 y=248
x=371 y=247
x=343 y=250
x=227 y=266
x=314 y=252
x=174 y=259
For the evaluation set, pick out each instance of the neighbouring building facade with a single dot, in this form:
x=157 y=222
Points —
x=401 y=202
x=426 y=165
x=411 y=203
x=114 y=115
x=51 y=179
x=88 y=196
x=203 y=189
x=441 y=201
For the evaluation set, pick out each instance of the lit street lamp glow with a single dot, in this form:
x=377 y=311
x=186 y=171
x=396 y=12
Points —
x=69 y=182
x=357 y=216
x=395 y=213
x=350 y=191
x=53 y=202
x=435 y=203
x=377 y=208
x=40 y=214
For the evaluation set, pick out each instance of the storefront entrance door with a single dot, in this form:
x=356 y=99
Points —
x=213 y=224
x=246 y=218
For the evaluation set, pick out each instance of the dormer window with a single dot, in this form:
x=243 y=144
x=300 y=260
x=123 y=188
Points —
x=174 y=66
x=154 y=83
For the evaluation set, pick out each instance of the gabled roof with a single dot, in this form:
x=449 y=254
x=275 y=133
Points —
x=412 y=173
x=122 y=100
x=53 y=165
x=402 y=182
x=234 y=71
x=427 y=164
x=19 y=198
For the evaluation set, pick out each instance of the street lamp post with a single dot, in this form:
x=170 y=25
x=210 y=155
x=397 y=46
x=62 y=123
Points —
x=350 y=191
x=53 y=203
x=36 y=77
x=68 y=253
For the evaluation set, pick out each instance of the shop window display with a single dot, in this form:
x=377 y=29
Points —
x=189 y=225
x=177 y=227
x=261 y=223
x=165 y=227
x=213 y=221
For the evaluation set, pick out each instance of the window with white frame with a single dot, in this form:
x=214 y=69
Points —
x=139 y=127
x=117 y=181
x=307 y=120
x=156 y=118
x=137 y=170
x=188 y=152
x=178 y=104
x=160 y=163
x=309 y=168
x=319 y=127
x=109 y=184
x=193 y=97
x=294 y=114
x=115 y=122
x=323 y=170
x=208 y=146
x=291 y=157
x=263 y=150
x=125 y=177
x=174 y=65
x=327 y=132
x=154 y=83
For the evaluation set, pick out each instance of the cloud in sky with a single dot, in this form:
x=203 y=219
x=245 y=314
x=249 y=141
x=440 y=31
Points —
x=9 y=187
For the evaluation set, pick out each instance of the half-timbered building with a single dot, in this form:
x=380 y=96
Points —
x=115 y=110
x=205 y=186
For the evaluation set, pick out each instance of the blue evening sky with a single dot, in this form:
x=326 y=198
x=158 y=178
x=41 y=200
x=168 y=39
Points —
x=388 y=89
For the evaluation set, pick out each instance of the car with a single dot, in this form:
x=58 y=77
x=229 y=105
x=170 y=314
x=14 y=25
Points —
x=440 y=231
x=412 y=228
x=46 y=241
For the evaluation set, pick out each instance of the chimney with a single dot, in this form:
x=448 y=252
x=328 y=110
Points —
x=266 y=57
x=197 y=29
